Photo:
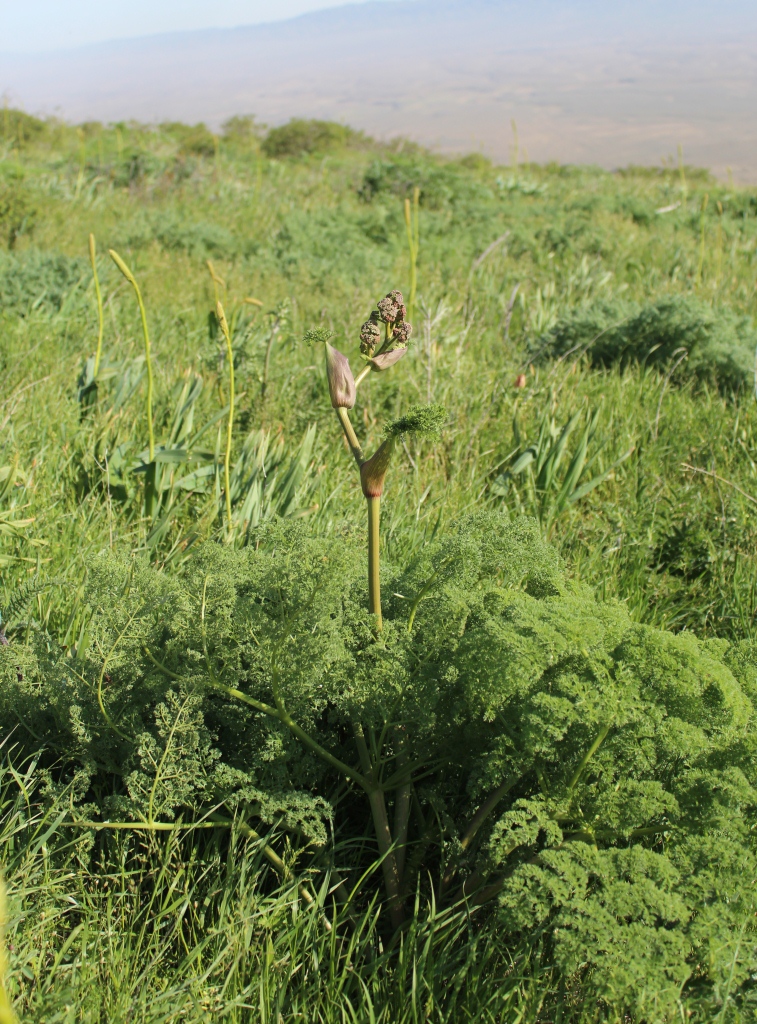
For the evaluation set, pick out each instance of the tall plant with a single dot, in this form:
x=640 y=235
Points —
x=412 y=229
x=151 y=486
x=379 y=354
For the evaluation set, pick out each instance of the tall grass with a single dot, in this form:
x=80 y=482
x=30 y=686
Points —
x=166 y=927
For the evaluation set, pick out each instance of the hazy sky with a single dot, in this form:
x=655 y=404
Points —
x=34 y=25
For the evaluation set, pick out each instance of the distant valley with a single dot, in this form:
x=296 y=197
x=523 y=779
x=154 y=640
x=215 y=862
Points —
x=583 y=83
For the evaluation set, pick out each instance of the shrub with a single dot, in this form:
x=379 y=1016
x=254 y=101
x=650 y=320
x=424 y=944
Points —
x=20 y=128
x=35 y=280
x=193 y=139
x=242 y=130
x=17 y=210
x=299 y=138
x=716 y=345
x=136 y=167
x=175 y=232
x=440 y=184
x=476 y=162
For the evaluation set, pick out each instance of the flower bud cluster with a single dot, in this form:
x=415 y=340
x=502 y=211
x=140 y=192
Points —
x=370 y=337
x=392 y=311
x=401 y=333
x=392 y=307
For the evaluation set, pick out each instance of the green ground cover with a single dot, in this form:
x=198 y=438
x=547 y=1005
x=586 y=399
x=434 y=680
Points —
x=556 y=724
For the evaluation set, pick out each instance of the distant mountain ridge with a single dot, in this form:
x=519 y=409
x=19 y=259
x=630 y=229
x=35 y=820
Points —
x=546 y=21
x=586 y=80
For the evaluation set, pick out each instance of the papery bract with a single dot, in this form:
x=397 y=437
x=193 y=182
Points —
x=387 y=359
x=373 y=472
x=341 y=382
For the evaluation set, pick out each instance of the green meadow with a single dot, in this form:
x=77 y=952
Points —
x=474 y=741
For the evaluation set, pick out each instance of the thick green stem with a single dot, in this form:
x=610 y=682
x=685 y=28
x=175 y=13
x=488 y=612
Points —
x=402 y=802
x=424 y=590
x=389 y=867
x=374 y=578
x=103 y=670
x=143 y=826
x=477 y=821
x=412 y=228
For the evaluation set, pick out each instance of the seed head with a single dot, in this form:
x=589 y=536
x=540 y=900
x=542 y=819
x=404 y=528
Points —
x=341 y=382
x=392 y=307
x=520 y=380
x=370 y=336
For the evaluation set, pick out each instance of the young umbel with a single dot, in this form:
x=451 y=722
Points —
x=473 y=725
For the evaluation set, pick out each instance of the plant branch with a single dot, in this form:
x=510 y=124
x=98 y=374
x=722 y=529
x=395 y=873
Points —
x=349 y=432
x=101 y=677
x=486 y=808
x=588 y=756
x=476 y=822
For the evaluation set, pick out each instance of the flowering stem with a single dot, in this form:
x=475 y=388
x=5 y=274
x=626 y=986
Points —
x=230 y=426
x=151 y=481
x=148 y=357
x=374 y=578
x=412 y=229
x=98 y=294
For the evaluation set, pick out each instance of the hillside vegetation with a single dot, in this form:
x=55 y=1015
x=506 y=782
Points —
x=248 y=775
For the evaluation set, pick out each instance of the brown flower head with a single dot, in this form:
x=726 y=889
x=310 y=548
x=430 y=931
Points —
x=401 y=333
x=392 y=307
x=341 y=382
x=370 y=336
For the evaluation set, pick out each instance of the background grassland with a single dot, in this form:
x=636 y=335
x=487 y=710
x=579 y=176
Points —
x=312 y=226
